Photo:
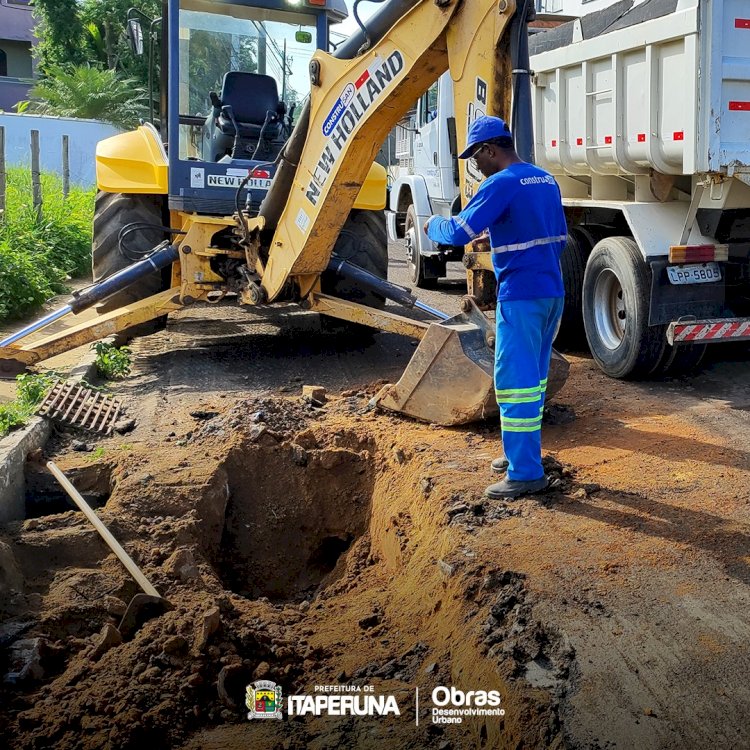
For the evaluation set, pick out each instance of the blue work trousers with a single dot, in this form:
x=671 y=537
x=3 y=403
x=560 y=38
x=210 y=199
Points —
x=525 y=331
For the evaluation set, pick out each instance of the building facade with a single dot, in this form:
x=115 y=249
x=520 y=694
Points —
x=16 y=60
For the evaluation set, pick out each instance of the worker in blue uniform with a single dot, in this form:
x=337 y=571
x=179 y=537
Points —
x=520 y=205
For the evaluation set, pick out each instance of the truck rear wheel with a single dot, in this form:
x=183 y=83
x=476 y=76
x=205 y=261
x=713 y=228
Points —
x=573 y=265
x=415 y=261
x=616 y=294
x=112 y=212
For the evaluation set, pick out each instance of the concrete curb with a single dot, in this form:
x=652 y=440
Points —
x=16 y=446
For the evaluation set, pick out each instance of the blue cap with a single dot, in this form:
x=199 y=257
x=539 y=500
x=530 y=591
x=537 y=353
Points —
x=484 y=129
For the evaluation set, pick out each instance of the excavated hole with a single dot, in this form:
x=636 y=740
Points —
x=291 y=517
x=45 y=496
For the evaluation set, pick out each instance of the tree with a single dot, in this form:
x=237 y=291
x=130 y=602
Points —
x=83 y=53
x=60 y=33
x=211 y=55
x=90 y=31
x=104 y=35
x=88 y=92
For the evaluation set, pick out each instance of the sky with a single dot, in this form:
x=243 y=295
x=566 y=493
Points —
x=338 y=33
x=365 y=10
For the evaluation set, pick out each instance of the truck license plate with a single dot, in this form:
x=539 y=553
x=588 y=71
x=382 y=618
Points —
x=697 y=273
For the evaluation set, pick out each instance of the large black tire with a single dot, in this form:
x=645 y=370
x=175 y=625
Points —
x=112 y=212
x=415 y=262
x=616 y=294
x=573 y=264
x=364 y=242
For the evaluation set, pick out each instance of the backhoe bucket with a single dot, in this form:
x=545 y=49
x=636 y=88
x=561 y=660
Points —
x=450 y=378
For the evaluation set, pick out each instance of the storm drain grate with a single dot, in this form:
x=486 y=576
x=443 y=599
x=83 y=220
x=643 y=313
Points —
x=74 y=405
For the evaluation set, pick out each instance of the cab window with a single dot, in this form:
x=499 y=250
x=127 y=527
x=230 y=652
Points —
x=428 y=105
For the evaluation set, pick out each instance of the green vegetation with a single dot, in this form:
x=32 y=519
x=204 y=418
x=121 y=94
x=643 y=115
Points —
x=38 y=253
x=96 y=454
x=88 y=92
x=76 y=32
x=112 y=361
x=29 y=394
x=79 y=36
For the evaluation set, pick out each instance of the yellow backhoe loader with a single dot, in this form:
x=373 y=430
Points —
x=237 y=193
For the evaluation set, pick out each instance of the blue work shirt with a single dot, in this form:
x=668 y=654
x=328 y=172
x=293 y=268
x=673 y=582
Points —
x=522 y=209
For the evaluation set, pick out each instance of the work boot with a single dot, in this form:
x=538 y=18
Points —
x=500 y=465
x=508 y=488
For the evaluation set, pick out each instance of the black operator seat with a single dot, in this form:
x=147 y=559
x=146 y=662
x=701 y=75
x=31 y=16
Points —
x=251 y=96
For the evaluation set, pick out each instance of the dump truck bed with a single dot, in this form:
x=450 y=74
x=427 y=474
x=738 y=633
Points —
x=664 y=85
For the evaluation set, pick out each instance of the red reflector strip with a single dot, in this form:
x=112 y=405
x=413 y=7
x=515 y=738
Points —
x=697 y=253
x=741 y=106
x=579 y=141
x=608 y=139
x=316 y=2
x=641 y=137
x=711 y=330
x=554 y=143
x=742 y=23
x=678 y=135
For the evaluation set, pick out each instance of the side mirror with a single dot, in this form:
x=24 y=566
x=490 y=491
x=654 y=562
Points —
x=135 y=36
x=303 y=37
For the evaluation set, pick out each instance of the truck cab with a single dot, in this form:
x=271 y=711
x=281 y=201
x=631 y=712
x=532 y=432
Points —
x=427 y=183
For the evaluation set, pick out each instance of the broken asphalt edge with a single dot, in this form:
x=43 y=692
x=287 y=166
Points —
x=16 y=446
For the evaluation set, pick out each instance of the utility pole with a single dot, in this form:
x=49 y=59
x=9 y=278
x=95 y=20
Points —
x=283 y=73
x=262 y=42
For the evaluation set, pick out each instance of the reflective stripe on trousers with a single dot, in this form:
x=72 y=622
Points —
x=525 y=331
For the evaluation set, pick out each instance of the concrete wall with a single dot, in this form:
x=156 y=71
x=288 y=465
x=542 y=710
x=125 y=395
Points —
x=83 y=137
x=12 y=91
x=16 y=39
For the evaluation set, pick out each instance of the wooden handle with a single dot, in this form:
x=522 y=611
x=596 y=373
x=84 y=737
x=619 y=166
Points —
x=105 y=533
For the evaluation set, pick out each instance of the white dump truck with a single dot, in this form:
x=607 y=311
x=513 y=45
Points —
x=642 y=113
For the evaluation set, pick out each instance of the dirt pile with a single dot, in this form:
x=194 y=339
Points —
x=299 y=544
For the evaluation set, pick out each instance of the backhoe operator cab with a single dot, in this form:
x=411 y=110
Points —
x=233 y=77
x=242 y=76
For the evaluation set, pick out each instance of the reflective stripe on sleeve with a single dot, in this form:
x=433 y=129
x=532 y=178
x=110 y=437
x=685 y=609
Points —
x=472 y=234
x=530 y=243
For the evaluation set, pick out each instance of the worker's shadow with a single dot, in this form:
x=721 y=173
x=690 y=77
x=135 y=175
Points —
x=618 y=435
x=724 y=539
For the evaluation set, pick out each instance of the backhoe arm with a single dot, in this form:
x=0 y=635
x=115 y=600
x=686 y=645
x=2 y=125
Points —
x=355 y=103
